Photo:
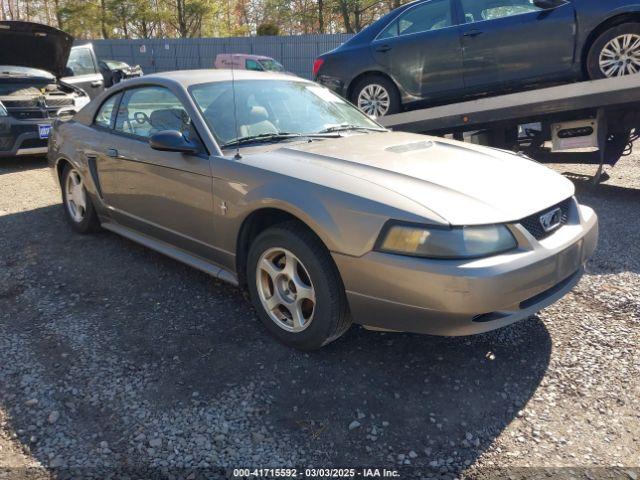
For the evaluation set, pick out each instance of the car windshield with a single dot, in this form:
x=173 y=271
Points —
x=275 y=109
x=115 y=64
x=271 y=65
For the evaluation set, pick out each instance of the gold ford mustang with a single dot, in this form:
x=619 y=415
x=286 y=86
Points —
x=281 y=187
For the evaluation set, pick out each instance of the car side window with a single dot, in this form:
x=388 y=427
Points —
x=81 y=62
x=145 y=111
x=253 y=65
x=104 y=117
x=481 y=10
x=429 y=16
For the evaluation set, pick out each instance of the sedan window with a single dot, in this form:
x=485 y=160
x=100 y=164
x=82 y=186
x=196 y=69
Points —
x=104 y=116
x=480 y=10
x=432 y=15
x=253 y=65
x=146 y=111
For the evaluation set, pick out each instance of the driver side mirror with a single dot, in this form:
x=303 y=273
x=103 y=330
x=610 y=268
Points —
x=172 y=141
x=547 y=4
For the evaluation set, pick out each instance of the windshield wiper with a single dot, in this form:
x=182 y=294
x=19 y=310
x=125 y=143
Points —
x=346 y=127
x=263 y=137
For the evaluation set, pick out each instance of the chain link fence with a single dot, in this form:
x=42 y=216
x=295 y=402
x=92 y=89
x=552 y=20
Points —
x=296 y=53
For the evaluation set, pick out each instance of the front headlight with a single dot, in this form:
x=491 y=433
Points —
x=3 y=111
x=446 y=243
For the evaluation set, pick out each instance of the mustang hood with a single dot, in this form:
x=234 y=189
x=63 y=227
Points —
x=463 y=183
x=33 y=45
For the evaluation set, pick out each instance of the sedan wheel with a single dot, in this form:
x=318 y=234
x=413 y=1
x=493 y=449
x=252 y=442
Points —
x=374 y=100
x=285 y=289
x=615 y=53
x=295 y=287
x=75 y=198
x=621 y=56
x=77 y=205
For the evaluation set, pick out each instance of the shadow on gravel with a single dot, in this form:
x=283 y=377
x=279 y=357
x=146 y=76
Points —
x=123 y=342
x=618 y=210
x=19 y=164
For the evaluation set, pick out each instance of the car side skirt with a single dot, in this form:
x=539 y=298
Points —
x=173 y=252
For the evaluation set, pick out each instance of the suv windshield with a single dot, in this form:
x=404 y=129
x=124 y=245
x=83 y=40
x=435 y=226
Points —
x=265 y=107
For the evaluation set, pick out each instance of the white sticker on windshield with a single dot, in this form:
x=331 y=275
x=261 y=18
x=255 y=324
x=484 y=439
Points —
x=325 y=94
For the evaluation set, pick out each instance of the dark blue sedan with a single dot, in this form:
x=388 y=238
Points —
x=437 y=51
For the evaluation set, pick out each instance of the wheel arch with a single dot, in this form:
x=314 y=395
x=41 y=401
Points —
x=258 y=221
x=630 y=16
x=368 y=73
x=59 y=166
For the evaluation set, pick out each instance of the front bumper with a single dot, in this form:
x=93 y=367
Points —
x=22 y=137
x=453 y=297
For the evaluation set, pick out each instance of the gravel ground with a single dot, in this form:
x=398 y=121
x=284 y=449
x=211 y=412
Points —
x=114 y=358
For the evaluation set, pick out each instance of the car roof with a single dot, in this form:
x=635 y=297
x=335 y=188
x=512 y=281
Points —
x=195 y=77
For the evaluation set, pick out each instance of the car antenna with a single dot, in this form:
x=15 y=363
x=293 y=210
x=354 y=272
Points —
x=237 y=156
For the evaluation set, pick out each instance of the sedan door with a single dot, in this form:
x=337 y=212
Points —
x=166 y=195
x=507 y=43
x=421 y=50
x=83 y=71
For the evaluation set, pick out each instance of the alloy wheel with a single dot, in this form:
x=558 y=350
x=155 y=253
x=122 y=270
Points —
x=75 y=196
x=621 y=56
x=285 y=289
x=374 y=100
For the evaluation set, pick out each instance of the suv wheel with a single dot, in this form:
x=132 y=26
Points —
x=78 y=208
x=296 y=288
x=615 y=53
x=376 y=96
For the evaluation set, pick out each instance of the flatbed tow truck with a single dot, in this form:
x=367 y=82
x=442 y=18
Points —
x=600 y=119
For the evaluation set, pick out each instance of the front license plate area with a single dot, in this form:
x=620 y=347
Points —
x=43 y=131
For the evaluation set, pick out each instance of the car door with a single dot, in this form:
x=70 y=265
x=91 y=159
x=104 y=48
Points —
x=83 y=71
x=512 y=42
x=166 y=195
x=421 y=49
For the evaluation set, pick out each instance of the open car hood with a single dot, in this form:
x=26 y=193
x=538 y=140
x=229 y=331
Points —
x=33 y=45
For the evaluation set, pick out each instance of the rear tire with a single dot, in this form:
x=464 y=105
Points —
x=78 y=208
x=316 y=287
x=605 y=61
x=376 y=96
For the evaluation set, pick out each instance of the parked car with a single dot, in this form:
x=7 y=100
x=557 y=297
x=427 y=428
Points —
x=242 y=61
x=32 y=95
x=114 y=71
x=83 y=71
x=323 y=215
x=437 y=51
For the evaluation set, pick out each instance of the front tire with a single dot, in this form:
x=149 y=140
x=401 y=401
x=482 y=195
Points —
x=615 y=53
x=376 y=96
x=78 y=209
x=295 y=287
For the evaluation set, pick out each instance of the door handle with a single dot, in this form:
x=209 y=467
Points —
x=383 y=48
x=96 y=84
x=472 y=33
x=112 y=152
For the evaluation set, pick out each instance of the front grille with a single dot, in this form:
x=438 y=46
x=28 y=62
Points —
x=33 y=143
x=535 y=228
x=27 y=114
